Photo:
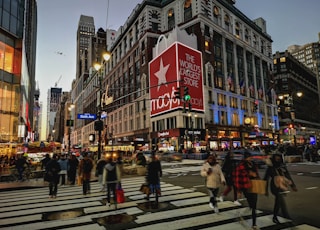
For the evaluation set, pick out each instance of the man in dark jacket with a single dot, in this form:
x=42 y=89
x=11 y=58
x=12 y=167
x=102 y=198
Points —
x=52 y=175
x=154 y=173
x=111 y=177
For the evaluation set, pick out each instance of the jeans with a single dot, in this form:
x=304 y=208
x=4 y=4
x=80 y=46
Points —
x=280 y=203
x=53 y=188
x=86 y=186
x=252 y=199
x=213 y=193
x=111 y=187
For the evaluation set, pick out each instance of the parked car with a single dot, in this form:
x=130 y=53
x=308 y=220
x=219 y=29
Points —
x=169 y=156
x=259 y=158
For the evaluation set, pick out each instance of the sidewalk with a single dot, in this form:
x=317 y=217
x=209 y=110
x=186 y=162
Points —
x=38 y=183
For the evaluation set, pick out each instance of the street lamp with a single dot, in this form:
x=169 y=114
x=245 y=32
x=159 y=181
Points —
x=70 y=124
x=98 y=124
x=288 y=104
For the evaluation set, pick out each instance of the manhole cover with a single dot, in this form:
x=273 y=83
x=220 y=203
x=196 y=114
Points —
x=152 y=206
x=115 y=219
x=62 y=215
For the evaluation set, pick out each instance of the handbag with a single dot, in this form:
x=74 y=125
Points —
x=282 y=183
x=120 y=195
x=258 y=186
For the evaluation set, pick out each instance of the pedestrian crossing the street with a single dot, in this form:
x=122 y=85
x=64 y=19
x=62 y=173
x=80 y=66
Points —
x=178 y=208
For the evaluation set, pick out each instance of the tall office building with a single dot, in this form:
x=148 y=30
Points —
x=309 y=55
x=18 y=20
x=86 y=31
x=237 y=85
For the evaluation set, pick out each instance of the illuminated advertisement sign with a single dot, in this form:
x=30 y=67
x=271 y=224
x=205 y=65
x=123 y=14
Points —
x=177 y=66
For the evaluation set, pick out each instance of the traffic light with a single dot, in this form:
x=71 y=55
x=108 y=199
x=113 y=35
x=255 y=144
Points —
x=177 y=93
x=255 y=107
x=186 y=95
x=98 y=125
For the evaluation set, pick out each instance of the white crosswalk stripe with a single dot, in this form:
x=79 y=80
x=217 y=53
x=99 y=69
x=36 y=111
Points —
x=185 y=209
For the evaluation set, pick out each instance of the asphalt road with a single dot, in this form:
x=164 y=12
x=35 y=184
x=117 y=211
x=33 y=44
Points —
x=303 y=205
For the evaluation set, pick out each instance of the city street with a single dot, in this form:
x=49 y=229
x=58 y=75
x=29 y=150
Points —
x=183 y=205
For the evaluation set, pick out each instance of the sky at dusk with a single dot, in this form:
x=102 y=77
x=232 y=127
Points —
x=288 y=22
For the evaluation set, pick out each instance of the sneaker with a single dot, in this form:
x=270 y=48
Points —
x=236 y=202
x=220 y=198
x=255 y=227
x=216 y=210
x=211 y=205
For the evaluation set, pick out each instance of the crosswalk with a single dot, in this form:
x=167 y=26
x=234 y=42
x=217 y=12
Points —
x=179 y=208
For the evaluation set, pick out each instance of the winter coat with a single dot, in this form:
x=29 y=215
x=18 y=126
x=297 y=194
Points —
x=85 y=175
x=215 y=178
x=111 y=173
x=63 y=165
x=154 y=172
x=244 y=172
x=53 y=169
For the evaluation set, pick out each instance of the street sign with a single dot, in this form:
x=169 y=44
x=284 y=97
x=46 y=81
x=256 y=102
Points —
x=87 y=116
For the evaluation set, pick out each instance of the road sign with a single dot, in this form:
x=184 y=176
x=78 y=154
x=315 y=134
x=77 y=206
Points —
x=87 y=116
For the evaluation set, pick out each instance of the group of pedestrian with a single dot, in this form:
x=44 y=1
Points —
x=58 y=170
x=237 y=176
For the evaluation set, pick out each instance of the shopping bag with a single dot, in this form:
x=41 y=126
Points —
x=282 y=182
x=258 y=186
x=145 y=189
x=120 y=195
x=79 y=180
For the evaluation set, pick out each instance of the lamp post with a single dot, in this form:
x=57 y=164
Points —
x=288 y=104
x=98 y=125
x=70 y=124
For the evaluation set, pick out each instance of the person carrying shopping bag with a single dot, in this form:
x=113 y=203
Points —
x=111 y=178
x=214 y=178
x=242 y=176
x=280 y=183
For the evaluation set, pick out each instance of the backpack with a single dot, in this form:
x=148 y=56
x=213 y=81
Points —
x=87 y=166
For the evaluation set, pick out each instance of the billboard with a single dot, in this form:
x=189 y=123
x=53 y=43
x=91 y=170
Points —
x=55 y=99
x=177 y=66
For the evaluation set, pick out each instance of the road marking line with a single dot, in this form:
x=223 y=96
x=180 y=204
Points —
x=312 y=188
x=198 y=186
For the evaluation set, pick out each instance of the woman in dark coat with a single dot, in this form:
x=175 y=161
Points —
x=52 y=175
x=278 y=168
x=154 y=172
x=73 y=163
x=228 y=167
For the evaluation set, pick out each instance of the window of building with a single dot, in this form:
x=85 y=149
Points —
x=171 y=19
x=207 y=45
x=227 y=23
x=237 y=30
x=187 y=10
x=283 y=59
x=222 y=99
